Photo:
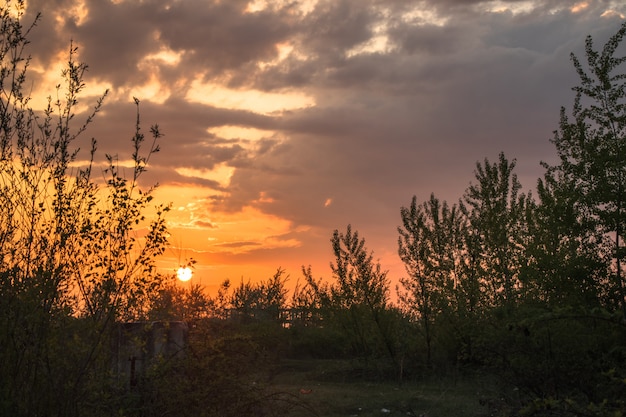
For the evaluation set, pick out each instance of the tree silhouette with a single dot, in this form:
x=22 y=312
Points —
x=592 y=148
x=430 y=246
x=495 y=210
x=71 y=259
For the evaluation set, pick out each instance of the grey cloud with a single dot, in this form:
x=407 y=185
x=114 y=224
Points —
x=430 y=39
x=472 y=103
x=336 y=26
x=220 y=37
x=214 y=36
x=183 y=124
x=114 y=38
x=204 y=224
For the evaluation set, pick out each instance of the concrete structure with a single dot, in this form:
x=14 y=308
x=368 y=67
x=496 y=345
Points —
x=139 y=344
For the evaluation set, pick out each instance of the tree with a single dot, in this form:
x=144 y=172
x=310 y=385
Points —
x=430 y=246
x=566 y=263
x=356 y=299
x=359 y=280
x=592 y=148
x=495 y=211
x=71 y=260
x=173 y=302
x=306 y=305
x=559 y=347
x=219 y=305
x=359 y=296
x=262 y=301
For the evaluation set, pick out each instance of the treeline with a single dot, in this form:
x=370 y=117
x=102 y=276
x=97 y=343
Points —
x=528 y=288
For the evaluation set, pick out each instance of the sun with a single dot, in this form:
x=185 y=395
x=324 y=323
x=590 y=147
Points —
x=184 y=273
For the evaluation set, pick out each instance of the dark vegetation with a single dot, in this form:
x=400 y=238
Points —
x=512 y=303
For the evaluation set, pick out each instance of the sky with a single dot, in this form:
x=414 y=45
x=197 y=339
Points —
x=285 y=120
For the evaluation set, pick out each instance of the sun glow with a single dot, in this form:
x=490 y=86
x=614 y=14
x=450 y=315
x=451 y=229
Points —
x=579 y=7
x=252 y=100
x=221 y=174
x=613 y=13
x=237 y=132
x=303 y=6
x=184 y=273
x=210 y=230
x=520 y=7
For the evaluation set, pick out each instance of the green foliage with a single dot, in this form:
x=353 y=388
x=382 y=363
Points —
x=317 y=342
x=463 y=261
x=356 y=302
x=223 y=373
x=495 y=211
x=555 y=360
x=359 y=281
x=533 y=290
x=430 y=246
x=173 y=302
x=262 y=301
x=566 y=263
x=592 y=149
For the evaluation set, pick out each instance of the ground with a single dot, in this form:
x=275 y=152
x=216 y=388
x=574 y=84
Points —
x=323 y=388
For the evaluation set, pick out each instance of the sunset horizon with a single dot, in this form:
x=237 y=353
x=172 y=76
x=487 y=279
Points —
x=285 y=121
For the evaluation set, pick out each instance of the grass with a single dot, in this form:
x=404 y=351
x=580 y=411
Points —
x=329 y=389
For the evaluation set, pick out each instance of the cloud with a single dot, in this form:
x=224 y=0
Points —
x=367 y=101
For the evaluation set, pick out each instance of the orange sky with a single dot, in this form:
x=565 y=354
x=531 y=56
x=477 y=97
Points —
x=286 y=120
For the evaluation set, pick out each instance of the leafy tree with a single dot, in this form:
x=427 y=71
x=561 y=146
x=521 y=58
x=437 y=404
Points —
x=359 y=295
x=274 y=295
x=305 y=303
x=564 y=348
x=592 y=148
x=359 y=281
x=71 y=260
x=430 y=246
x=263 y=301
x=219 y=306
x=114 y=268
x=495 y=211
x=174 y=302
x=566 y=263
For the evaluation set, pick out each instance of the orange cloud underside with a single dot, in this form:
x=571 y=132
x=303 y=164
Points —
x=193 y=223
